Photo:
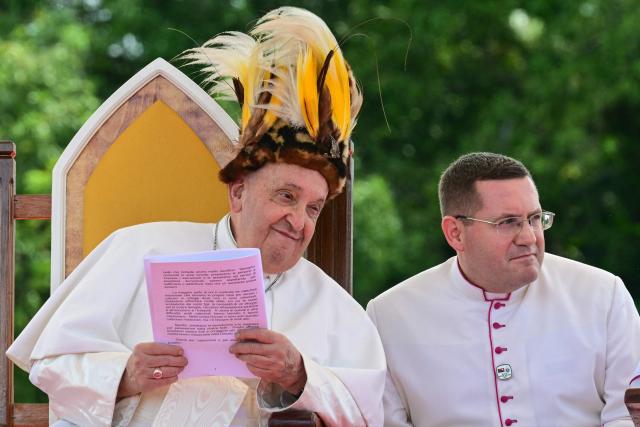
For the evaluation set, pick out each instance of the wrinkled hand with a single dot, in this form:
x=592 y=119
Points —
x=271 y=356
x=146 y=357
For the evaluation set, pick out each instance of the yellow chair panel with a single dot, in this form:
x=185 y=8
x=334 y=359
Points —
x=156 y=170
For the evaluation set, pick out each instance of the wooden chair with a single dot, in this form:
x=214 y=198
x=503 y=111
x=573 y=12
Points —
x=151 y=152
x=632 y=400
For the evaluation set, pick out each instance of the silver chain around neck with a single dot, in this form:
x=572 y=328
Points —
x=215 y=248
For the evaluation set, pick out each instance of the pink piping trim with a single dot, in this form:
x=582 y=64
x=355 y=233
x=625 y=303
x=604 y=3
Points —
x=484 y=293
x=493 y=362
x=634 y=378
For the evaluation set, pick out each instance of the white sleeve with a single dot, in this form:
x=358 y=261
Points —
x=395 y=411
x=323 y=394
x=623 y=353
x=82 y=387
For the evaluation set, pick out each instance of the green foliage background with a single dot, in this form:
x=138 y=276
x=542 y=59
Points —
x=555 y=84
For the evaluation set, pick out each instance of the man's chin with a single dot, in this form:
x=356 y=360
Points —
x=274 y=263
x=530 y=274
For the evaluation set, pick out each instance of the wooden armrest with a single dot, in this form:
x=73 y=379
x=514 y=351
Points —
x=30 y=415
x=295 y=418
x=32 y=206
x=632 y=400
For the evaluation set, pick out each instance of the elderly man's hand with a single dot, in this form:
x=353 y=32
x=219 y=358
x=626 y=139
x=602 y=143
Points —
x=151 y=365
x=271 y=356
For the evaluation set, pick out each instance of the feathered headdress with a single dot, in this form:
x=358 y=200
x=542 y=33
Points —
x=298 y=97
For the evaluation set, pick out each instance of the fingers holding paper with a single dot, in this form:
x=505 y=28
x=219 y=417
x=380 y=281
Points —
x=272 y=357
x=151 y=365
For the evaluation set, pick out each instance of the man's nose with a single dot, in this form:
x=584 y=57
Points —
x=526 y=235
x=296 y=218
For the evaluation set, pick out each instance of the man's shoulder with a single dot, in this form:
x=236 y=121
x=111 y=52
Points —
x=161 y=231
x=419 y=284
x=578 y=281
x=314 y=275
x=160 y=227
x=562 y=267
x=313 y=284
x=166 y=237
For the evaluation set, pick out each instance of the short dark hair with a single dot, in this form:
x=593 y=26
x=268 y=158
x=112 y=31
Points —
x=457 y=191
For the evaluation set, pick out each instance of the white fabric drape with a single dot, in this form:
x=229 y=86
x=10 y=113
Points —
x=77 y=345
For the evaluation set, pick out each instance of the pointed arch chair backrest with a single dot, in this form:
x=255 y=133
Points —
x=151 y=152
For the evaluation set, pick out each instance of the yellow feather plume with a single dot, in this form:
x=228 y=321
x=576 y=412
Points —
x=283 y=56
x=286 y=34
x=338 y=84
x=252 y=75
x=307 y=77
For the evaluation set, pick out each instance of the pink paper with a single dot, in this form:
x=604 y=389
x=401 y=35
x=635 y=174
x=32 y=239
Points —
x=200 y=300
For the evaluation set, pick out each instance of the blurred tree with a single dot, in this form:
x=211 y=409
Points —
x=378 y=251
x=555 y=85
x=46 y=97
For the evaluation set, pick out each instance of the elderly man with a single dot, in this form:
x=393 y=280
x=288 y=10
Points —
x=90 y=348
x=496 y=337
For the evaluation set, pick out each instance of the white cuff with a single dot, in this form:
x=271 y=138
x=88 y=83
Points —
x=82 y=388
x=272 y=397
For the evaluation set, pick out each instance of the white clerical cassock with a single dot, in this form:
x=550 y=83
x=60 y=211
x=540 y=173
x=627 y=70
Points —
x=557 y=352
x=77 y=346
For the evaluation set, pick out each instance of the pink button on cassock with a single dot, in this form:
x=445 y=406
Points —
x=498 y=305
x=505 y=399
x=509 y=421
x=497 y=325
x=500 y=349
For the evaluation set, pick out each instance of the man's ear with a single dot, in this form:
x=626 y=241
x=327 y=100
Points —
x=236 y=190
x=453 y=230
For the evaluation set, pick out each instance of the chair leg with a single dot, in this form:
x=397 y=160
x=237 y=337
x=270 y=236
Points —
x=7 y=247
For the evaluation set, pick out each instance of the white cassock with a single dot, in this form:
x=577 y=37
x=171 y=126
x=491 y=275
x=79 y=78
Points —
x=557 y=352
x=77 y=345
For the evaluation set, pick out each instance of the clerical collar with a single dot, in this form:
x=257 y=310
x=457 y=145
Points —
x=270 y=280
x=473 y=290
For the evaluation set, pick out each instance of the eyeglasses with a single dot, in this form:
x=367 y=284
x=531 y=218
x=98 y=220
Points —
x=513 y=225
